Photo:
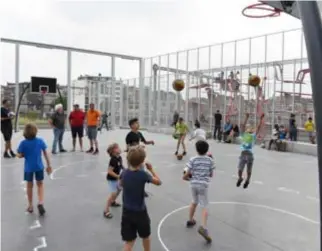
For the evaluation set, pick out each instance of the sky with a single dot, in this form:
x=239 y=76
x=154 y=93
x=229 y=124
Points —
x=139 y=28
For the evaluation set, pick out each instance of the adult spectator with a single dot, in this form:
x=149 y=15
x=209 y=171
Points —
x=310 y=128
x=217 y=131
x=92 y=119
x=76 y=121
x=104 y=121
x=227 y=128
x=275 y=137
x=6 y=128
x=57 y=122
x=293 y=128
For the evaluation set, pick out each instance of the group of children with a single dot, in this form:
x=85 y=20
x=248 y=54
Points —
x=131 y=181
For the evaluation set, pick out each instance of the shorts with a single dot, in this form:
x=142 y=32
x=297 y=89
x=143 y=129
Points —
x=311 y=134
x=113 y=186
x=29 y=176
x=246 y=158
x=135 y=223
x=92 y=132
x=77 y=131
x=200 y=195
x=7 y=133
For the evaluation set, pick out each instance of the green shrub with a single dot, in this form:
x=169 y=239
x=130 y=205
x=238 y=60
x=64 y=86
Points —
x=32 y=116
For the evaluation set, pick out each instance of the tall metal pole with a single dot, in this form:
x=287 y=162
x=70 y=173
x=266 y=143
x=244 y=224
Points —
x=293 y=83
x=69 y=83
x=121 y=114
x=168 y=107
x=113 y=92
x=312 y=27
x=158 y=96
x=142 y=92
x=186 y=110
x=17 y=85
x=177 y=94
x=210 y=90
x=198 y=87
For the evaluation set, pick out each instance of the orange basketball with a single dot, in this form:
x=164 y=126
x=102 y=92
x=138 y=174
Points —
x=178 y=85
x=254 y=80
x=179 y=157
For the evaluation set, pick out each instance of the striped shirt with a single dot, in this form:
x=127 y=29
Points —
x=201 y=168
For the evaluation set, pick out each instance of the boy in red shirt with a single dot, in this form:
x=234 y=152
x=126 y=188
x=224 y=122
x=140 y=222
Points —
x=76 y=121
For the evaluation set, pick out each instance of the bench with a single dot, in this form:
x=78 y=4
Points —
x=296 y=147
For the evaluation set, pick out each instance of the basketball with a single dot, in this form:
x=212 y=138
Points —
x=179 y=156
x=254 y=80
x=185 y=170
x=178 y=85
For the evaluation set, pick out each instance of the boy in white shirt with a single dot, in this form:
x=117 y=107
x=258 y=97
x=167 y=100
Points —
x=198 y=134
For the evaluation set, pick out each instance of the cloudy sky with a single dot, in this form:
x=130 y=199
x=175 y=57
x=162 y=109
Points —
x=140 y=28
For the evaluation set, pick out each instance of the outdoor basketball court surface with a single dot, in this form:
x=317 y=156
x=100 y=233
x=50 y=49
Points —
x=279 y=210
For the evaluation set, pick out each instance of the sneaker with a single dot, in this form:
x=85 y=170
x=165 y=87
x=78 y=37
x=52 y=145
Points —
x=6 y=155
x=41 y=210
x=53 y=153
x=191 y=223
x=184 y=153
x=12 y=154
x=62 y=151
x=204 y=233
x=239 y=181
x=96 y=152
x=90 y=150
x=176 y=153
x=246 y=184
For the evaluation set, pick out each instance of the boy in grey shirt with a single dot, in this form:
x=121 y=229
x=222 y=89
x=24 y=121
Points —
x=199 y=171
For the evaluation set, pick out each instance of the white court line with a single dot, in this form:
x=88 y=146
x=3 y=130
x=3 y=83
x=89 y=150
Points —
x=70 y=164
x=258 y=182
x=42 y=245
x=312 y=198
x=301 y=217
x=288 y=190
x=35 y=225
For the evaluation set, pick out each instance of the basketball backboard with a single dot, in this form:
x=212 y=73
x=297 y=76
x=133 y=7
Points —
x=289 y=7
x=43 y=85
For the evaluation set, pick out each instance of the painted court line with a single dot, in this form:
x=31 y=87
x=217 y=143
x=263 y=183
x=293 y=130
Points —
x=43 y=243
x=35 y=225
x=312 y=198
x=288 y=190
x=258 y=182
x=301 y=217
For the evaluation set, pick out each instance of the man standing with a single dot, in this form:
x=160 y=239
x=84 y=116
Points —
x=6 y=128
x=76 y=121
x=57 y=122
x=92 y=119
x=217 y=131
x=104 y=121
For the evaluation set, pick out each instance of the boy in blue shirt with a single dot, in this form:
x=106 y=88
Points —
x=248 y=139
x=135 y=217
x=30 y=149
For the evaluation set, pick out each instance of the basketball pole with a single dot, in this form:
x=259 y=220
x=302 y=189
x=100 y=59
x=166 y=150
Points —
x=17 y=85
x=312 y=28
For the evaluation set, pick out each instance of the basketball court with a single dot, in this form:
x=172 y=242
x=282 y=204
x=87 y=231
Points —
x=279 y=210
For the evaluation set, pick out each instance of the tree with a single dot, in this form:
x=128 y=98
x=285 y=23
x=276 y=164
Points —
x=62 y=100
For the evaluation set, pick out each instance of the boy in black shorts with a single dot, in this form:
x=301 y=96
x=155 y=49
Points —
x=135 y=217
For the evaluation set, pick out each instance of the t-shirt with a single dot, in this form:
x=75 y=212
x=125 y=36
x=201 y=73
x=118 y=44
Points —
x=199 y=134
x=5 y=114
x=31 y=150
x=92 y=117
x=77 y=118
x=133 y=184
x=282 y=135
x=134 y=138
x=201 y=168
x=117 y=164
x=58 y=120
x=292 y=123
x=309 y=126
x=247 y=141
x=181 y=128
x=218 y=118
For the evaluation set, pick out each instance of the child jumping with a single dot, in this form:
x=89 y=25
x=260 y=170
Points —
x=198 y=134
x=31 y=149
x=181 y=129
x=135 y=217
x=200 y=169
x=248 y=139
x=113 y=174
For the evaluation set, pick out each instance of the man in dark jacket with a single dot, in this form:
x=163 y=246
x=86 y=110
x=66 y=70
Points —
x=217 y=131
x=57 y=121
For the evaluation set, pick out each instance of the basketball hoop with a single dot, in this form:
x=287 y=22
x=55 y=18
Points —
x=272 y=12
x=43 y=92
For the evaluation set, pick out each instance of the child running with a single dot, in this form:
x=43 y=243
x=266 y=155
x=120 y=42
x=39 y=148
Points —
x=135 y=218
x=113 y=174
x=181 y=129
x=31 y=149
x=248 y=139
x=198 y=134
x=200 y=169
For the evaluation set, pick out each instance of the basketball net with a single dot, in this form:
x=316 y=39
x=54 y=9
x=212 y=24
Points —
x=270 y=11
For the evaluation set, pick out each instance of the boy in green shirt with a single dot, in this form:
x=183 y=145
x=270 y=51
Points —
x=181 y=130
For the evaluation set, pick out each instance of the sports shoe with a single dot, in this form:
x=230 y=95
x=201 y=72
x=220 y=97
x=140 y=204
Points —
x=90 y=150
x=246 y=184
x=239 y=181
x=96 y=152
x=190 y=223
x=204 y=233
x=41 y=209
x=12 y=154
x=6 y=155
x=62 y=151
